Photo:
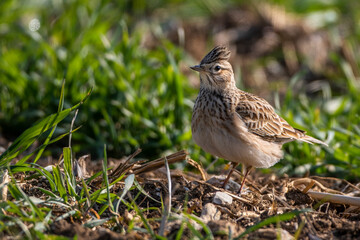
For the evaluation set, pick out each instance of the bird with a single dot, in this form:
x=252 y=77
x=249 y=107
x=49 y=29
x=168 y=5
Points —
x=235 y=125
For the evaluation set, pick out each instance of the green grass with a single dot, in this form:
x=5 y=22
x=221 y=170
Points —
x=140 y=97
x=334 y=118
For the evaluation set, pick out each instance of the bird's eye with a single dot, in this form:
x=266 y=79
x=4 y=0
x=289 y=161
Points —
x=217 y=68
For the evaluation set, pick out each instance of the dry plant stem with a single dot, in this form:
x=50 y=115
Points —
x=95 y=213
x=307 y=181
x=126 y=166
x=142 y=166
x=74 y=163
x=158 y=163
x=71 y=127
x=350 y=209
x=167 y=209
x=310 y=185
x=168 y=174
x=4 y=182
x=212 y=163
x=331 y=195
x=336 y=179
x=198 y=166
x=335 y=198
x=350 y=57
x=226 y=211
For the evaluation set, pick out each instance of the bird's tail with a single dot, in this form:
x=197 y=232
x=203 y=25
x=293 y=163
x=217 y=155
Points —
x=305 y=138
x=312 y=140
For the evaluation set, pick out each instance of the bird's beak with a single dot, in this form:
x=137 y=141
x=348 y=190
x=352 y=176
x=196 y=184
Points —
x=197 y=68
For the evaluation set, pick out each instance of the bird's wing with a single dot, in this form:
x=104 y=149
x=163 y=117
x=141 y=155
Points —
x=260 y=119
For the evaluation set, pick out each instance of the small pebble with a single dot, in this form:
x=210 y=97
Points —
x=210 y=213
x=222 y=198
x=49 y=168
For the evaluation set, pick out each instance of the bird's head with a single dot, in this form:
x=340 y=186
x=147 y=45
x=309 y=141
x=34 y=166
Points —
x=215 y=70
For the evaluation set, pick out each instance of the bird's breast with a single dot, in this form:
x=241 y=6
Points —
x=207 y=124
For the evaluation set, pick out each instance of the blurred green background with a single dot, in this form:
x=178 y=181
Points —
x=300 y=55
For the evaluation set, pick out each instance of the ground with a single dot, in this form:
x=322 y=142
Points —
x=264 y=196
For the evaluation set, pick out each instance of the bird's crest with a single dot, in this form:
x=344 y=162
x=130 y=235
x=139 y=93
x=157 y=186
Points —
x=218 y=53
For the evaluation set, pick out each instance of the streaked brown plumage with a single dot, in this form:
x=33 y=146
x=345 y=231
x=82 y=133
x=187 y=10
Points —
x=235 y=125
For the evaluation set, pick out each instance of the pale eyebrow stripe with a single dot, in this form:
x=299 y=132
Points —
x=223 y=67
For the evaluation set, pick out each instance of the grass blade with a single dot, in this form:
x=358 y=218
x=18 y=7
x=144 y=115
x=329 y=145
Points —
x=66 y=215
x=146 y=223
x=59 y=183
x=30 y=135
x=44 y=145
x=129 y=181
x=274 y=219
x=138 y=186
x=87 y=195
x=106 y=179
x=60 y=108
x=68 y=168
x=203 y=225
x=47 y=192
x=95 y=222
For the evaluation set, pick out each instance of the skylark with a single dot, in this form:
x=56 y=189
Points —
x=235 y=125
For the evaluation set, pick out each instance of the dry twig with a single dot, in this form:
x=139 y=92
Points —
x=3 y=185
x=158 y=163
x=124 y=167
x=330 y=195
x=198 y=166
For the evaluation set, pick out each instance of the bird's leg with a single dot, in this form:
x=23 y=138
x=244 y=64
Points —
x=233 y=166
x=247 y=170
